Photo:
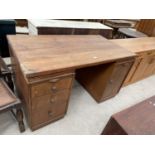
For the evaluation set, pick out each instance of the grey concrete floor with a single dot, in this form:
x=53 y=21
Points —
x=85 y=116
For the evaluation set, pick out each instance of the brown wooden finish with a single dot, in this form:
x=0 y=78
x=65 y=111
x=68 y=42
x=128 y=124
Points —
x=104 y=81
x=147 y=26
x=44 y=68
x=136 y=120
x=8 y=101
x=144 y=65
x=68 y=27
x=52 y=49
x=6 y=97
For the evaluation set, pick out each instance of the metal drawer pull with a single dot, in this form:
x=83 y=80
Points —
x=50 y=113
x=54 y=80
x=111 y=81
x=52 y=100
x=54 y=88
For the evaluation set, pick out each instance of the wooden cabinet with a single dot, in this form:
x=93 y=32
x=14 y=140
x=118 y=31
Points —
x=104 y=81
x=144 y=65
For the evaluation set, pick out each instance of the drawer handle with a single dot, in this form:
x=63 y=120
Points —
x=54 y=88
x=111 y=81
x=50 y=113
x=54 y=80
x=52 y=100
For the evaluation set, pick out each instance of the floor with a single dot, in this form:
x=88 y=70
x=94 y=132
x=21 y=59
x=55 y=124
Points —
x=85 y=116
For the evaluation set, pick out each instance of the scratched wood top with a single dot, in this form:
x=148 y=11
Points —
x=38 y=55
x=67 y=24
x=137 y=45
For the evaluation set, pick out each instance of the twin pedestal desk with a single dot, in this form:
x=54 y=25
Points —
x=46 y=65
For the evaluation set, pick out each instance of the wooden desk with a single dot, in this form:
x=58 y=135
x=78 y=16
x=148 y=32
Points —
x=144 y=65
x=45 y=65
x=136 y=120
x=68 y=27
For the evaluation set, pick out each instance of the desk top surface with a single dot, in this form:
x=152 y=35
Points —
x=137 y=45
x=67 y=24
x=45 y=54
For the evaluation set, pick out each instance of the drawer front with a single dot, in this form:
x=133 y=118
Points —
x=48 y=107
x=118 y=76
x=51 y=86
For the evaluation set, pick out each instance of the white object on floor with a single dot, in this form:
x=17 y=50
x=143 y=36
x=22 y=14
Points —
x=85 y=115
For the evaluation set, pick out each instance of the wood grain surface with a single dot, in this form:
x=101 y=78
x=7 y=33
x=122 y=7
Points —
x=52 y=53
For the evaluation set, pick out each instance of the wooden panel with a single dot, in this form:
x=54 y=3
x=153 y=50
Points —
x=117 y=78
x=104 y=81
x=147 y=26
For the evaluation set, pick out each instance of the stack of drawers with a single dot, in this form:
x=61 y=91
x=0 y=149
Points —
x=50 y=99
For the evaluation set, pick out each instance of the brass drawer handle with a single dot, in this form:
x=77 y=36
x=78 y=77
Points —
x=50 y=113
x=111 y=81
x=54 y=88
x=54 y=80
x=52 y=100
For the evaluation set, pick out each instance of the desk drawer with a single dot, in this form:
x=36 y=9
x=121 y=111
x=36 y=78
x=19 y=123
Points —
x=49 y=107
x=51 y=86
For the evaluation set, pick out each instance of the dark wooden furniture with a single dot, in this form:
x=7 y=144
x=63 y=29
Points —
x=136 y=120
x=116 y=24
x=45 y=65
x=8 y=101
x=144 y=65
x=68 y=27
x=21 y=22
x=146 y=27
x=6 y=27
